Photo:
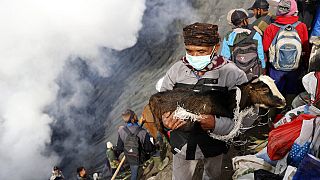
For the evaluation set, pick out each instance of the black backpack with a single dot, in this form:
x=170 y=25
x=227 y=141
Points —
x=245 y=55
x=132 y=146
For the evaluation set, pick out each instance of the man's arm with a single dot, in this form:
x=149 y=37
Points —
x=169 y=80
x=260 y=50
x=148 y=146
x=120 y=146
x=225 y=52
x=267 y=38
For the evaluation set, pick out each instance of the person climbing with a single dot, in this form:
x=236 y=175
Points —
x=201 y=68
x=82 y=174
x=263 y=17
x=113 y=160
x=135 y=142
x=56 y=174
x=243 y=45
x=286 y=41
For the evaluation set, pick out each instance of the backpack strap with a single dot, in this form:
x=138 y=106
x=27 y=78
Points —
x=136 y=132
x=295 y=24
x=282 y=27
x=126 y=129
x=250 y=36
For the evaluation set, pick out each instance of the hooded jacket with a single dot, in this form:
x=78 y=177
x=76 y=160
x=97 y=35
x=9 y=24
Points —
x=235 y=36
x=272 y=31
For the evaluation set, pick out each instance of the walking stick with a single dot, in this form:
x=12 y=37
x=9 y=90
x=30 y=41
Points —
x=118 y=169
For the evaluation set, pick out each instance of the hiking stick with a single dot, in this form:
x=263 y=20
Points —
x=118 y=169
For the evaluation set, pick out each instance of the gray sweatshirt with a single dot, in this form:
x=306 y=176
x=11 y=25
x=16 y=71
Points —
x=228 y=75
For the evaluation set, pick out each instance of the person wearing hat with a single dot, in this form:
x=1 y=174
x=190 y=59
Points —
x=243 y=45
x=288 y=81
x=113 y=160
x=146 y=146
x=200 y=67
x=263 y=17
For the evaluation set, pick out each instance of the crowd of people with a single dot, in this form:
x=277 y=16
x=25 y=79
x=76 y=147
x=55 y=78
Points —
x=277 y=45
x=274 y=45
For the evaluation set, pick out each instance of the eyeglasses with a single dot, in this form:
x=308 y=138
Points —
x=283 y=8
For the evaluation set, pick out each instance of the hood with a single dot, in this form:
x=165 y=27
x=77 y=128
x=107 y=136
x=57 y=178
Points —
x=286 y=19
x=237 y=35
x=309 y=82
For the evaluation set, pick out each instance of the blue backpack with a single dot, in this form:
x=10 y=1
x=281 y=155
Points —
x=286 y=48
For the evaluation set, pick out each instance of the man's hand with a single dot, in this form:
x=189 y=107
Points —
x=207 y=122
x=170 y=122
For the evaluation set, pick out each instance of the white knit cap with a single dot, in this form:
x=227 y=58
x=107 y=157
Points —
x=109 y=145
x=231 y=12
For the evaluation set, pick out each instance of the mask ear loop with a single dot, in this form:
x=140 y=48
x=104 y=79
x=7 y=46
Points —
x=213 y=54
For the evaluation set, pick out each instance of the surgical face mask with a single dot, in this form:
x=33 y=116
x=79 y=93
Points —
x=200 y=62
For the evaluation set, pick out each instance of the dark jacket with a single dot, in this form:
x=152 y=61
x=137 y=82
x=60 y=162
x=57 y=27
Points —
x=144 y=137
x=307 y=11
x=84 y=178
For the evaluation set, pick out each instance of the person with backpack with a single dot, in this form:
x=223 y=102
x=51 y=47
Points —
x=286 y=42
x=243 y=45
x=135 y=142
x=263 y=17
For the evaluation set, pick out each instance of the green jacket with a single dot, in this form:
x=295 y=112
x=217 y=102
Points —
x=112 y=158
x=263 y=22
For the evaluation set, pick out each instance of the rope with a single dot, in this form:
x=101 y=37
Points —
x=182 y=113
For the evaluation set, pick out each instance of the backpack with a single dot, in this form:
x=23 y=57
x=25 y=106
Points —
x=286 y=48
x=245 y=55
x=132 y=146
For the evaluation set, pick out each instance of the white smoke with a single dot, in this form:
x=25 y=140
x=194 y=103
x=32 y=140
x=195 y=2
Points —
x=37 y=37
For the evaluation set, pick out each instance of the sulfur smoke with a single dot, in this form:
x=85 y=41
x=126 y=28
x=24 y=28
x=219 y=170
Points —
x=39 y=40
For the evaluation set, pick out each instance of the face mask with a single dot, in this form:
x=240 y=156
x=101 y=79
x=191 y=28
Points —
x=200 y=62
x=258 y=15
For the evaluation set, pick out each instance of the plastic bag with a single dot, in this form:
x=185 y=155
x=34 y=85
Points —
x=308 y=169
x=282 y=138
x=298 y=150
